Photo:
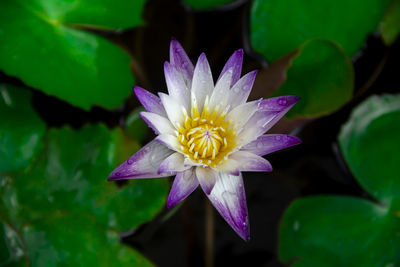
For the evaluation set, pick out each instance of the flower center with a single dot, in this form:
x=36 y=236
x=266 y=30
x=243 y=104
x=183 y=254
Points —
x=207 y=138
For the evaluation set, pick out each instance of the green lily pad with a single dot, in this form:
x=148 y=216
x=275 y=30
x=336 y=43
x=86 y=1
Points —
x=135 y=127
x=370 y=145
x=57 y=57
x=339 y=231
x=207 y=4
x=21 y=129
x=322 y=76
x=278 y=27
x=65 y=206
x=347 y=231
x=390 y=25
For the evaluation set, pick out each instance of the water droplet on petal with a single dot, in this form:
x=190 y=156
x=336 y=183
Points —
x=260 y=145
x=278 y=137
x=117 y=174
x=282 y=102
x=246 y=88
x=236 y=89
x=129 y=161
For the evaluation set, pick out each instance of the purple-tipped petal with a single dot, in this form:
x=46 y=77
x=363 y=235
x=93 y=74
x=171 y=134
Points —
x=221 y=91
x=184 y=184
x=207 y=178
x=202 y=84
x=180 y=60
x=241 y=90
x=250 y=162
x=229 y=198
x=235 y=64
x=176 y=85
x=269 y=143
x=149 y=101
x=270 y=111
x=158 y=123
x=173 y=163
x=143 y=164
x=169 y=141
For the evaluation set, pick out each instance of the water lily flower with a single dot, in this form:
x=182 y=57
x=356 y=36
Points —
x=208 y=134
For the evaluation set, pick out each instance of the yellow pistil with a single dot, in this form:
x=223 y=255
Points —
x=206 y=138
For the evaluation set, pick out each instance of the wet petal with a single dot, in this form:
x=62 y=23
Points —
x=228 y=197
x=269 y=143
x=184 y=184
x=174 y=163
x=235 y=64
x=202 y=84
x=174 y=110
x=229 y=166
x=149 y=101
x=180 y=60
x=207 y=178
x=242 y=113
x=241 y=90
x=250 y=162
x=158 y=123
x=144 y=163
x=169 y=141
x=176 y=85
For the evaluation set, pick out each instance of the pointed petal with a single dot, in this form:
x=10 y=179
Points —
x=270 y=111
x=229 y=166
x=229 y=198
x=169 y=141
x=174 y=110
x=158 y=123
x=250 y=162
x=174 y=163
x=221 y=90
x=234 y=63
x=184 y=184
x=269 y=143
x=143 y=164
x=149 y=101
x=207 y=178
x=242 y=113
x=202 y=84
x=176 y=85
x=180 y=60
x=241 y=90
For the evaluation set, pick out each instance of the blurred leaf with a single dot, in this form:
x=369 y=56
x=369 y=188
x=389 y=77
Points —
x=278 y=27
x=339 y=231
x=207 y=4
x=346 y=231
x=21 y=129
x=322 y=76
x=65 y=206
x=55 y=56
x=11 y=247
x=135 y=127
x=390 y=26
x=370 y=143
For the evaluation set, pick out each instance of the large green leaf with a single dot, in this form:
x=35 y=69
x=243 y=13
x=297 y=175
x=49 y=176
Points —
x=21 y=129
x=370 y=144
x=65 y=199
x=206 y=4
x=40 y=44
x=322 y=76
x=339 y=231
x=390 y=25
x=346 y=231
x=278 y=27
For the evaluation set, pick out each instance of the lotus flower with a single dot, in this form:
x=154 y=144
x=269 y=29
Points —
x=208 y=134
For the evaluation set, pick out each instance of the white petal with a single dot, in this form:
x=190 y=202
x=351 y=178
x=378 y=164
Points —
x=202 y=84
x=176 y=85
x=241 y=90
x=251 y=162
x=241 y=114
x=169 y=141
x=174 y=110
x=207 y=178
x=219 y=95
x=158 y=123
x=229 y=166
x=174 y=163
